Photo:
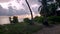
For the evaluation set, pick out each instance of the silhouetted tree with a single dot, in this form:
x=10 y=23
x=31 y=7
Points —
x=10 y=20
x=58 y=13
x=58 y=2
x=27 y=20
x=44 y=10
x=38 y=19
x=48 y=9
x=30 y=12
x=15 y=19
x=53 y=9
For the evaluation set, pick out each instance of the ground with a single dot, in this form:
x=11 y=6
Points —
x=49 y=30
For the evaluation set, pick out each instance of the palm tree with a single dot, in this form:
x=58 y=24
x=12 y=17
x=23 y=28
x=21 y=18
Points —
x=58 y=1
x=44 y=10
x=30 y=11
x=48 y=9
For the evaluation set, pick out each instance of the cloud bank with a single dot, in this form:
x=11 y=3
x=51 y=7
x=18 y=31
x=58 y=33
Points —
x=2 y=1
x=12 y=7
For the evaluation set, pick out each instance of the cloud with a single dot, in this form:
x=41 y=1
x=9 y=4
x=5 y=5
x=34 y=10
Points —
x=2 y=1
x=12 y=12
x=22 y=8
x=34 y=4
x=3 y=11
x=13 y=3
x=21 y=12
x=31 y=2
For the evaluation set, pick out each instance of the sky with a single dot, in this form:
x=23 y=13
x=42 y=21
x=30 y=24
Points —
x=18 y=7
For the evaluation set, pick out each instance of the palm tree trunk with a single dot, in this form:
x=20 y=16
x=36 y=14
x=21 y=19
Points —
x=30 y=11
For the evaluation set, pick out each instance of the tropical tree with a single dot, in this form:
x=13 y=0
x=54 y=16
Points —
x=30 y=12
x=44 y=11
x=48 y=9
x=53 y=9
x=58 y=1
x=10 y=20
x=15 y=19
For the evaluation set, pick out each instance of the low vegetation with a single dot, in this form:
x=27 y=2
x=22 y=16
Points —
x=18 y=28
x=51 y=19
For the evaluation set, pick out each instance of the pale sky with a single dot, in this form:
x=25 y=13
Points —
x=12 y=3
x=20 y=4
x=6 y=3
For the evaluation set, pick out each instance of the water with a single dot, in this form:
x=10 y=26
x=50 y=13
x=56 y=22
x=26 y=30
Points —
x=5 y=20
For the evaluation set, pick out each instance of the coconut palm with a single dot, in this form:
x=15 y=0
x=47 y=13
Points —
x=30 y=12
x=44 y=10
x=48 y=9
x=58 y=1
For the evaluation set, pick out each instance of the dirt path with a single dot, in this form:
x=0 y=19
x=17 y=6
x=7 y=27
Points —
x=49 y=30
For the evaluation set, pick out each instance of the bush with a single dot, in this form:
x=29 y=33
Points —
x=51 y=19
x=27 y=20
x=38 y=19
x=54 y=19
x=15 y=19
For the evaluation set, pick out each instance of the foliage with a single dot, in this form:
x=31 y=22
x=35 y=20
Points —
x=38 y=19
x=58 y=1
x=52 y=9
x=54 y=19
x=15 y=19
x=26 y=20
x=10 y=20
x=18 y=28
x=51 y=19
x=49 y=10
x=44 y=11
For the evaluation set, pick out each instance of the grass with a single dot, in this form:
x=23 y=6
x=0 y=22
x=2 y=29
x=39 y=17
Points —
x=19 y=28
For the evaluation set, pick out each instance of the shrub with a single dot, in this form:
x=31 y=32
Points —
x=54 y=19
x=27 y=20
x=38 y=19
x=15 y=19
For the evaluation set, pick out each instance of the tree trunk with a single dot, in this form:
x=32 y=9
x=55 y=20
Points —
x=30 y=12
